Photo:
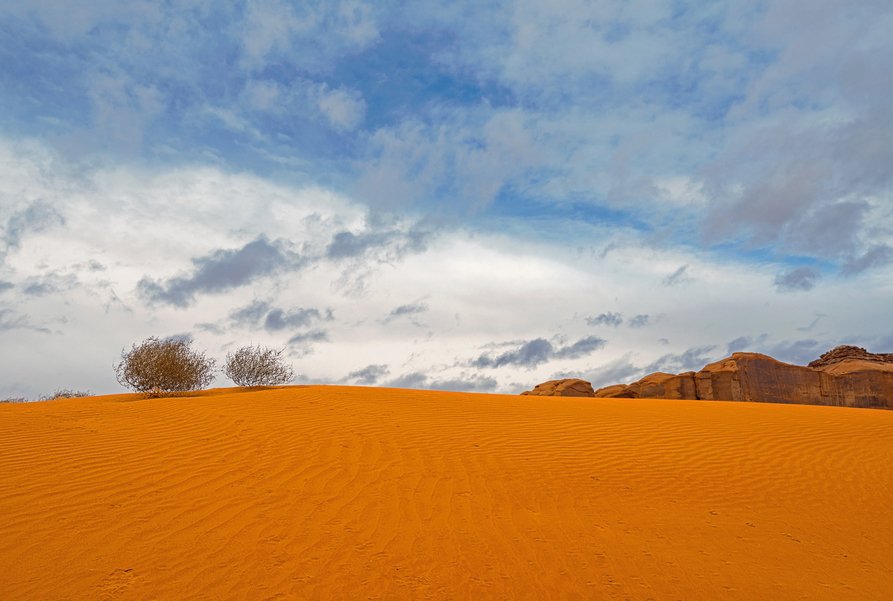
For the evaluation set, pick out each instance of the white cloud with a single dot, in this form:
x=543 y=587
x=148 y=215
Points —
x=316 y=30
x=341 y=108
x=478 y=288
x=467 y=157
x=344 y=109
x=268 y=26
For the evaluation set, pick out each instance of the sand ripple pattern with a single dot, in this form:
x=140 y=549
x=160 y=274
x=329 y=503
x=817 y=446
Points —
x=360 y=493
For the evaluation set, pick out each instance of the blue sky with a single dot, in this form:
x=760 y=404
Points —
x=722 y=167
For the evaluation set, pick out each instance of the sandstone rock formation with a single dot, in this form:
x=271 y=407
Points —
x=847 y=353
x=846 y=376
x=567 y=387
x=617 y=391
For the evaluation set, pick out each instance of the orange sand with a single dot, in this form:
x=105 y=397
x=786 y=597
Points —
x=363 y=493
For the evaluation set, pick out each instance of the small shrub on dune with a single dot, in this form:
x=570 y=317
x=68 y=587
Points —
x=159 y=366
x=66 y=393
x=17 y=399
x=258 y=366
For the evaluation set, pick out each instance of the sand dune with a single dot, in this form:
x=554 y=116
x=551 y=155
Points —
x=362 y=493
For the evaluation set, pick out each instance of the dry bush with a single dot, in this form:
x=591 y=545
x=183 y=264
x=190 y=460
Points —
x=257 y=366
x=167 y=365
x=66 y=393
x=17 y=399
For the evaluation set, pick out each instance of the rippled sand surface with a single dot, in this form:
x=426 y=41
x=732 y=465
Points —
x=326 y=492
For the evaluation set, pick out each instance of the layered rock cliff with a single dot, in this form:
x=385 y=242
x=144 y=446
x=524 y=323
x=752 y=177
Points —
x=845 y=376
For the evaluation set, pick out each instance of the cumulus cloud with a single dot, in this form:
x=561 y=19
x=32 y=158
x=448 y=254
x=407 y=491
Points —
x=467 y=383
x=263 y=314
x=745 y=344
x=414 y=379
x=691 y=359
x=389 y=244
x=529 y=354
x=263 y=100
x=37 y=216
x=304 y=34
x=408 y=310
x=609 y=319
x=464 y=384
x=802 y=177
x=343 y=108
x=876 y=256
x=220 y=271
x=468 y=157
x=801 y=278
x=532 y=353
x=250 y=314
x=779 y=130
x=369 y=375
x=616 y=319
x=279 y=319
x=268 y=26
x=580 y=348
x=769 y=134
x=639 y=321
x=184 y=337
x=50 y=283
x=303 y=343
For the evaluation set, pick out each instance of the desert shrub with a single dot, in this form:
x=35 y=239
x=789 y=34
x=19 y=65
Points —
x=66 y=393
x=257 y=366
x=164 y=365
x=17 y=399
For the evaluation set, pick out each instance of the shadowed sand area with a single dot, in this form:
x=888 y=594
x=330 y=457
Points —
x=363 y=493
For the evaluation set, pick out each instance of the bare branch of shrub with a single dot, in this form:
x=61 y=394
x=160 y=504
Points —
x=258 y=366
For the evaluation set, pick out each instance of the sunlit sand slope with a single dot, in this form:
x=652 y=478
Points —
x=364 y=493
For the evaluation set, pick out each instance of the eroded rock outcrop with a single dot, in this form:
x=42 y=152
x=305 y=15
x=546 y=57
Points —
x=848 y=354
x=845 y=376
x=566 y=387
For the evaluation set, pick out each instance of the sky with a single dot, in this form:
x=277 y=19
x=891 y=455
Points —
x=474 y=196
